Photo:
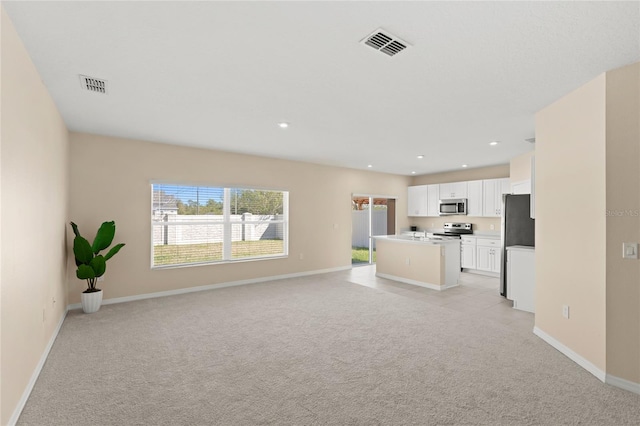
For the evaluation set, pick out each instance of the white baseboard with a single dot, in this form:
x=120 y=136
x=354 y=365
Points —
x=623 y=384
x=415 y=282
x=479 y=272
x=27 y=391
x=211 y=287
x=569 y=353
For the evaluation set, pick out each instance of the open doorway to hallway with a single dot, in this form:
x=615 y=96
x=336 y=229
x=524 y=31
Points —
x=370 y=216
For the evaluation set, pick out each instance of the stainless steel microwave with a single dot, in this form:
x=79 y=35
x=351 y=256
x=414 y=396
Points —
x=451 y=207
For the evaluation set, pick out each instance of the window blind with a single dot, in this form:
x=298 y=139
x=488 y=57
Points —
x=199 y=224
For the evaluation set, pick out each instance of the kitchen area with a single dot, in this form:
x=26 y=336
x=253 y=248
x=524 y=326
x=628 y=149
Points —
x=479 y=230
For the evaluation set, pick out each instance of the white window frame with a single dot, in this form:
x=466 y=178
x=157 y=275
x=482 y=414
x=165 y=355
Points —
x=227 y=224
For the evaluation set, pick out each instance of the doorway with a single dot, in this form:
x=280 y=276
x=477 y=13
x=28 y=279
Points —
x=370 y=216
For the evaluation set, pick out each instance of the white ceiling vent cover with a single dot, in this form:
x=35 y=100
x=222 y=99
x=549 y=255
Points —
x=385 y=42
x=95 y=85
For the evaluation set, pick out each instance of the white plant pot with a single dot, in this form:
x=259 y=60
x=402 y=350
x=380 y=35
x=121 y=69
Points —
x=91 y=301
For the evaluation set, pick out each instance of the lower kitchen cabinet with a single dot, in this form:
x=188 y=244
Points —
x=468 y=253
x=481 y=254
x=489 y=255
x=521 y=277
x=468 y=256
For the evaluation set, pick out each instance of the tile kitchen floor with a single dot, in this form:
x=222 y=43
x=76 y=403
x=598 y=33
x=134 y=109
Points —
x=477 y=295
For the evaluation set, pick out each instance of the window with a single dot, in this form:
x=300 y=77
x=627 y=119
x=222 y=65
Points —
x=198 y=225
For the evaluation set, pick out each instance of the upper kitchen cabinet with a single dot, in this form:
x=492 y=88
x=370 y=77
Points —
x=433 y=200
x=453 y=190
x=522 y=187
x=423 y=200
x=493 y=189
x=417 y=200
x=475 y=199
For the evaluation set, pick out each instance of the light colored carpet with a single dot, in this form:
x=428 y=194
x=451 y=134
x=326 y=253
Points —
x=314 y=350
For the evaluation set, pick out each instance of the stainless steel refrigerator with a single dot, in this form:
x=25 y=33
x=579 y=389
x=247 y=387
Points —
x=518 y=229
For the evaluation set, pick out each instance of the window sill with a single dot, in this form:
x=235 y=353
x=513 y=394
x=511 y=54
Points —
x=219 y=262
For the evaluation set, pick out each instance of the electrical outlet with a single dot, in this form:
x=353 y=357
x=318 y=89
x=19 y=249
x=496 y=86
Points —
x=492 y=227
x=335 y=226
x=629 y=250
x=565 y=311
x=101 y=278
x=407 y=261
x=301 y=256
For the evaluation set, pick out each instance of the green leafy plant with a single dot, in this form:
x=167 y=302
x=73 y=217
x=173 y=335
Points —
x=91 y=264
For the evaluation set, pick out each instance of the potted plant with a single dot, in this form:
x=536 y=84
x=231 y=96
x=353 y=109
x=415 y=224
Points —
x=91 y=264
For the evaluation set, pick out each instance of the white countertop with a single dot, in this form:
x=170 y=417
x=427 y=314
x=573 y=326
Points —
x=521 y=248
x=418 y=240
x=487 y=234
x=476 y=234
x=490 y=236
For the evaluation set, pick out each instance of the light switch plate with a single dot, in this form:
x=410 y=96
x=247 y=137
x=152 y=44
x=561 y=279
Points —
x=629 y=250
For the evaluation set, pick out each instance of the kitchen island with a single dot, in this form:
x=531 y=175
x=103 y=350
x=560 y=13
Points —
x=426 y=262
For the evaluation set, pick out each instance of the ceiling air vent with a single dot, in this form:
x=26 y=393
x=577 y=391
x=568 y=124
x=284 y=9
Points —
x=95 y=85
x=384 y=42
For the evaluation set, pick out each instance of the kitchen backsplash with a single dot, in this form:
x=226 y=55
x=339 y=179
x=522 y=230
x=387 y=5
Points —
x=481 y=224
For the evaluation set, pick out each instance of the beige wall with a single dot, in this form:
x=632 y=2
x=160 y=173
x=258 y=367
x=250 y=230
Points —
x=426 y=264
x=110 y=180
x=588 y=154
x=570 y=189
x=623 y=221
x=520 y=167
x=34 y=212
x=479 y=223
x=492 y=172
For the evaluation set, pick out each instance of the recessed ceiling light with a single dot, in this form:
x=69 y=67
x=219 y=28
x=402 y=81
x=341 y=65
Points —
x=464 y=165
x=369 y=165
x=420 y=156
x=494 y=143
x=283 y=125
x=413 y=173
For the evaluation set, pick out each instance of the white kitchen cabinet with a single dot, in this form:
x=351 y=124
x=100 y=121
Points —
x=412 y=198
x=468 y=253
x=422 y=200
x=521 y=279
x=484 y=258
x=453 y=190
x=433 y=199
x=497 y=260
x=493 y=189
x=474 y=198
x=484 y=197
x=489 y=255
x=522 y=187
x=417 y=200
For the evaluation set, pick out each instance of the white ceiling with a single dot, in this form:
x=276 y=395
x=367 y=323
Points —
x=221 y=75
